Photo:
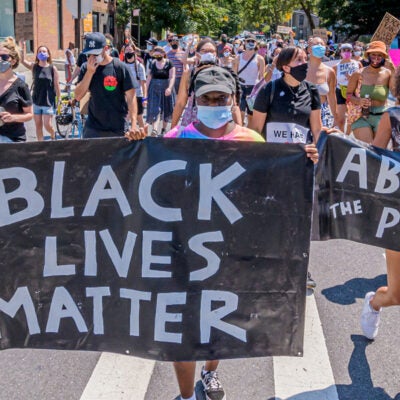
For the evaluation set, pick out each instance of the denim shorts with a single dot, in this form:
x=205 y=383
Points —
x=45 y=110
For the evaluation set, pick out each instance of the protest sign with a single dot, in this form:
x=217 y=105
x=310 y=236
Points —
x=167 y=249
x=358 y=192
x=387 y=30
x=283 y=29
x=322 y=33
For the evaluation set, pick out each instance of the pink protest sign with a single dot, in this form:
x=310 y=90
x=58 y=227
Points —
x=395 y=56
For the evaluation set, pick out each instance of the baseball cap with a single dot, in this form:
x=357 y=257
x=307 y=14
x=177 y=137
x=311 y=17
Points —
x=174 y=39
x=250 y=36
x=214 y=79
x=95 y=42
x=152 y=41
x=347 y=46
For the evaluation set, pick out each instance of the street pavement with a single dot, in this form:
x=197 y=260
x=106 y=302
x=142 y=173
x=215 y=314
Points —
x=338 y=362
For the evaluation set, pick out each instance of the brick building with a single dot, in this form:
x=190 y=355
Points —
x=53 y=22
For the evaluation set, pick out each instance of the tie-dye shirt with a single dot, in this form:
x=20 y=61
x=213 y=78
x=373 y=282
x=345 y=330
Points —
x=239 y=133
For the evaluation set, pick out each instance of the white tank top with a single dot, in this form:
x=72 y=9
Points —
x=250 y=73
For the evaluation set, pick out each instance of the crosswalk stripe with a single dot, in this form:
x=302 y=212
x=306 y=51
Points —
x=309 y=377
x=119 y=377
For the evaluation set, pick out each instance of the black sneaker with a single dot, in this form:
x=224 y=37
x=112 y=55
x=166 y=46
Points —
x=212 y=386
x=311 y=284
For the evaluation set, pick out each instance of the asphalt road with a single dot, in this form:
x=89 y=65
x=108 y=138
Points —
x=362 y=370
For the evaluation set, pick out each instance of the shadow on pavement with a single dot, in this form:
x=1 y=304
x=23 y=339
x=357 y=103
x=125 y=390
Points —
x=361 y=387
x=353 y=289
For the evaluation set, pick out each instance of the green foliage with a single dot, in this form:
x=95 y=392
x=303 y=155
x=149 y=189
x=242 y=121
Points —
x=357 y=17
x=209 y=17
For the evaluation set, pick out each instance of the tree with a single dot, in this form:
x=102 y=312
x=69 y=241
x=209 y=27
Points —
x=356 y=17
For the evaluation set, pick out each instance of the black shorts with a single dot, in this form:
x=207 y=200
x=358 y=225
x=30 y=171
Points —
x=339 y=98
x=246 y=90
x=139 y=105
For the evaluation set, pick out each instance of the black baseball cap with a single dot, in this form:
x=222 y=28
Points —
x=95 y=42
x=152 y=41
x=214 y=79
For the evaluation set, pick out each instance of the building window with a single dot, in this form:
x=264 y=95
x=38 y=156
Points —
x=301 y=20
x=96 y=22
x=28 y=8
x=60 y=24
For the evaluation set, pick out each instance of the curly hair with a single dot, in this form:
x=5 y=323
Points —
x=9 y=44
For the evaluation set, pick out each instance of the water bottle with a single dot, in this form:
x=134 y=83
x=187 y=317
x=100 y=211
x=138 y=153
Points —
x=365 y=110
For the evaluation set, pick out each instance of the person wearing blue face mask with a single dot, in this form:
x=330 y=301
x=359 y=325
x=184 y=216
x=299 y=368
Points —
x=46 y=87
x=325 y=79
x=214 y=90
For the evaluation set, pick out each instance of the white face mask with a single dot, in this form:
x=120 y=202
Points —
x=99 y=58
x=227 y=54
x=208 y=58
x=357 y=53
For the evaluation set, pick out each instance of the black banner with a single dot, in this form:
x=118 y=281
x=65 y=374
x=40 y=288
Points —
x=165 y=249
x=358 y=192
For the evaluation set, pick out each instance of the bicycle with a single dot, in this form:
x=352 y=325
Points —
x=69 y=120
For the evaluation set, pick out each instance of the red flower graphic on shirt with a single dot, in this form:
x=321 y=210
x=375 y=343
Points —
x=110 y=82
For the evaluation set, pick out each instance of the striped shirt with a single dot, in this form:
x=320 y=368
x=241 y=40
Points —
x=176 y=58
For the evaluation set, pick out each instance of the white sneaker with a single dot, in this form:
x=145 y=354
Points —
x=370 y=318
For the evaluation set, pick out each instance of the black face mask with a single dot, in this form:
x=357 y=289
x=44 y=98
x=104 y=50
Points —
x=300 y=72
x=129 y=55
x=380 y=64
x=174 y=46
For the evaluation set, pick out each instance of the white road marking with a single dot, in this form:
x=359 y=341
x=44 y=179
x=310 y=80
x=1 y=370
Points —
x=119 y=377
x=309 y=377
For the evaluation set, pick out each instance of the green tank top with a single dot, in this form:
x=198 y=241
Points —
x=376 y=92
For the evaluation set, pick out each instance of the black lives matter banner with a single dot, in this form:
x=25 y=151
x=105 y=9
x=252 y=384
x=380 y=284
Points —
x=358 y=191
x=165 y=249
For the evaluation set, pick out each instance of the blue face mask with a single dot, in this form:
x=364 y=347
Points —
x=214 y=117
x=318 y=50
x=42 y=56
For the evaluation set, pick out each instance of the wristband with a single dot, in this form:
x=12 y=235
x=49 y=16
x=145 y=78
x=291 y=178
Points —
x=144 y=98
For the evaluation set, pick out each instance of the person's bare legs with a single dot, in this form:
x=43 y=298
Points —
x=365 y=134
x=185 y=374
x=48 y=124
x=185 y=371
x=389 y=295
x=341 y=116
x=39 y=126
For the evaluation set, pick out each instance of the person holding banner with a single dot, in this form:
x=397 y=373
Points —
x=112 y=92
x=385 y=296
x=374 y=82
x=288 y=110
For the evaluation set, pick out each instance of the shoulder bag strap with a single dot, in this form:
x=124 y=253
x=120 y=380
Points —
x=248 y=62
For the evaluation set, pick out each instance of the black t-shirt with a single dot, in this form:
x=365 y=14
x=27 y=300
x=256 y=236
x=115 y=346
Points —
x=43 y=92
x=107 y=105
x=82 y=58
x=13 y=100
x=162 y=73
x=288 y=115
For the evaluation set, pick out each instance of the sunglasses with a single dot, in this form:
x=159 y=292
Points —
x=5 y=57
x=250 y=41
